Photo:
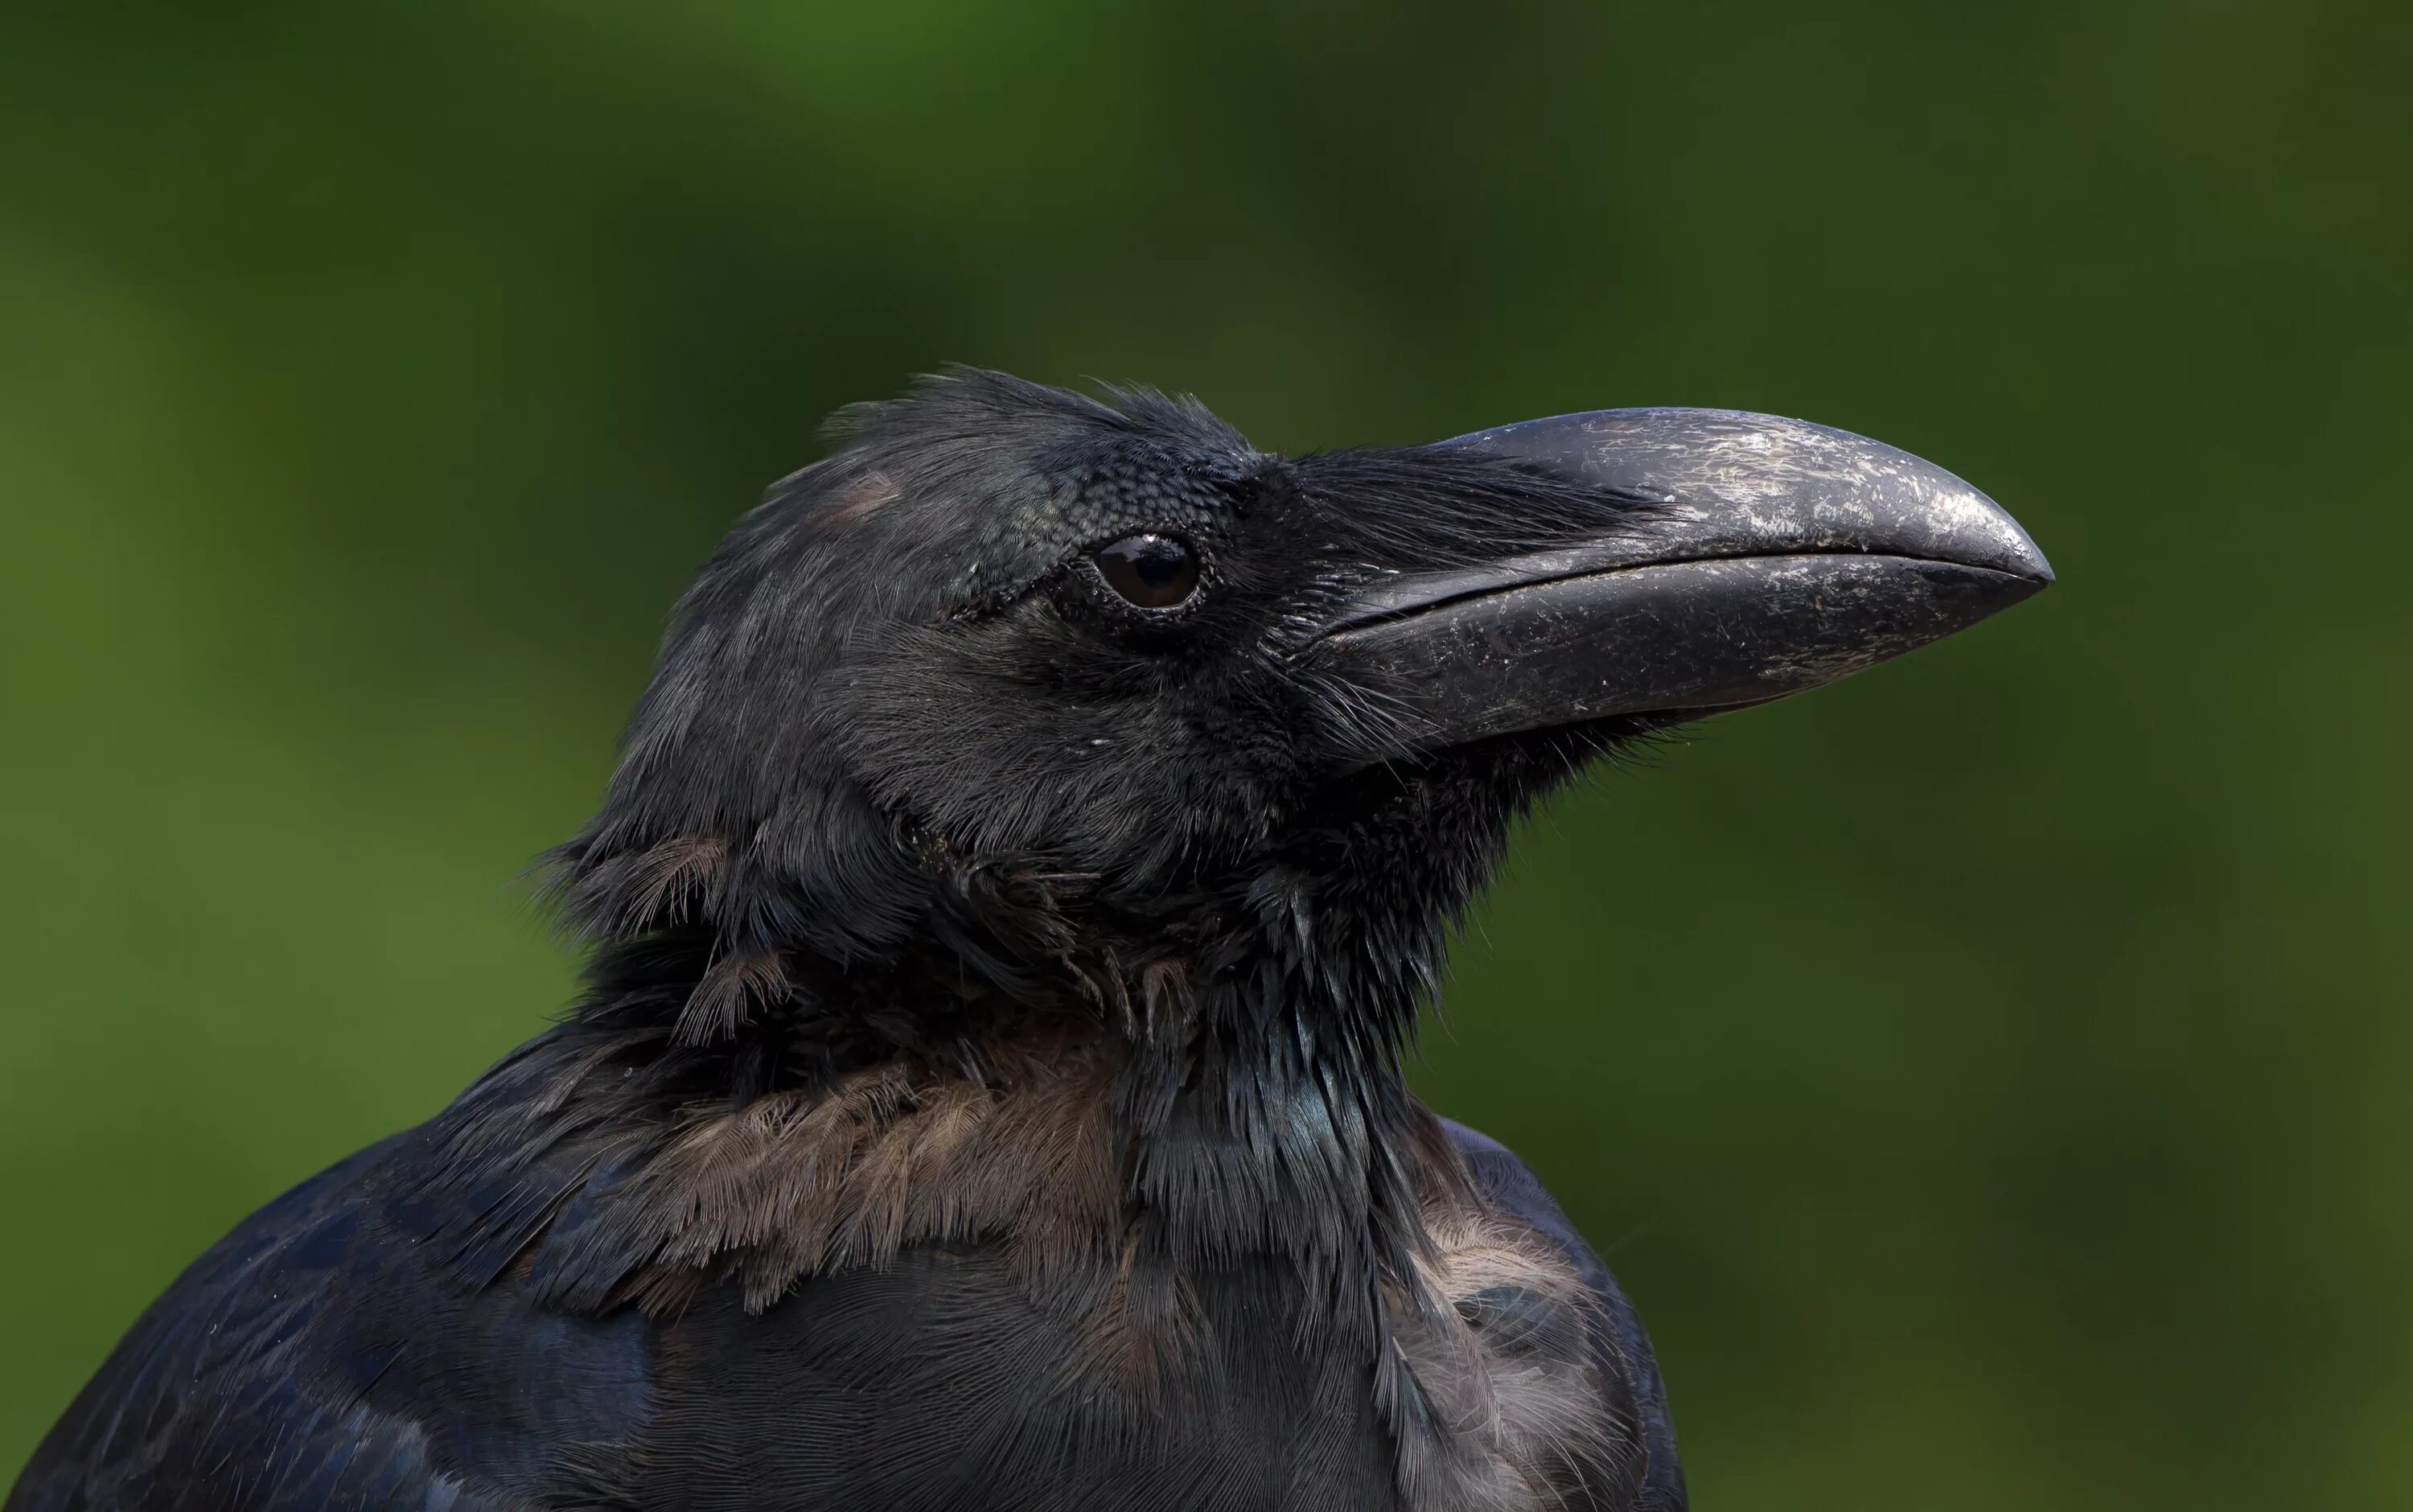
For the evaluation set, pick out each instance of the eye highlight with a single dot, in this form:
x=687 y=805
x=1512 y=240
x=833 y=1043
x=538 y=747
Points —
x=1149 y=572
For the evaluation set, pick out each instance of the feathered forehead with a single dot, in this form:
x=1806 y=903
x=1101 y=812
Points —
x=1007 y=477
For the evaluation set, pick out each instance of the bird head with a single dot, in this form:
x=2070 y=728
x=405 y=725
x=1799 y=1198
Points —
x=1015 y=668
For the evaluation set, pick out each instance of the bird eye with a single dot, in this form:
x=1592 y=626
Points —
x=1152 y=571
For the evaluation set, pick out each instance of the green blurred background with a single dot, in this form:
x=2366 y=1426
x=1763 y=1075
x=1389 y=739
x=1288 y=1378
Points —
x=1990 y=1075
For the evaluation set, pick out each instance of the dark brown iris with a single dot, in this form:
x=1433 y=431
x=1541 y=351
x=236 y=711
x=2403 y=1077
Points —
x=1152 y=571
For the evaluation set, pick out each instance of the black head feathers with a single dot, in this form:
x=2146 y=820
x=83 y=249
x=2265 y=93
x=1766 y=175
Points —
x=902 y=707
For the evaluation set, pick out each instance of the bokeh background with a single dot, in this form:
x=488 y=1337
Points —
x=1990 y=1075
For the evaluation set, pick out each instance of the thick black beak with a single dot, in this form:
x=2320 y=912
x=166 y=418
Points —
x=1777 y=556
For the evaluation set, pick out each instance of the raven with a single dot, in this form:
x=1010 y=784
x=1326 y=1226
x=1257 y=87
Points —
x=1022 y=877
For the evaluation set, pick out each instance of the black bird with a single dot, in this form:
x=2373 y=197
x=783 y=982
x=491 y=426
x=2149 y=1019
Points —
x=1026 y=868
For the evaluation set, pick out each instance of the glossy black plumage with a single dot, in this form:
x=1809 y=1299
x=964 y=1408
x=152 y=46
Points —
x=337 y=1351
x=987 y=1094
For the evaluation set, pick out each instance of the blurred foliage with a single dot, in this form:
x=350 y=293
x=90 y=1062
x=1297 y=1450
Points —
x=1989 y=1075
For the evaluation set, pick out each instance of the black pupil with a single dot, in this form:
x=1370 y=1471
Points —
x=1152 y=571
